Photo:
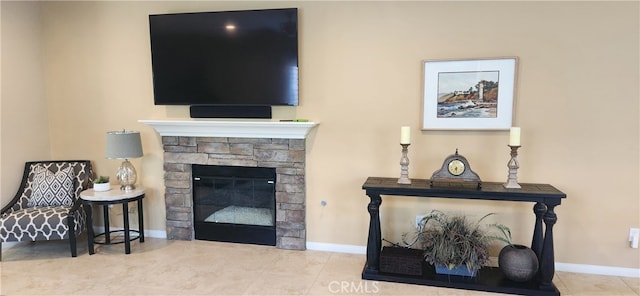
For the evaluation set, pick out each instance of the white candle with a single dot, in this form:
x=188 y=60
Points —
x=514 y=136
x=405 y=135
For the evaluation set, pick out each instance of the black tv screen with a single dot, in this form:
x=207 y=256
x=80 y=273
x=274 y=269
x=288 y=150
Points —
x=245 y=57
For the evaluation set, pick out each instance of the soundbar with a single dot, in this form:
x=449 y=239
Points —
x=230 y=111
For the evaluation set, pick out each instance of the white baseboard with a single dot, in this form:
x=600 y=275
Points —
x=598 y=269
x=565 y=267
x=351 y=249
x=147 y=232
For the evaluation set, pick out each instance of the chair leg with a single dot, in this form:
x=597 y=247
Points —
x=72 y=237
x=72 y=241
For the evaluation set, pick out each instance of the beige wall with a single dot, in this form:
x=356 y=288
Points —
x=360 y=77
x=24 y=115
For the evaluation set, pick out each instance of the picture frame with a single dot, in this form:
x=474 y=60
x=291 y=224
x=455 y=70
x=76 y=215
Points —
x=473 y=94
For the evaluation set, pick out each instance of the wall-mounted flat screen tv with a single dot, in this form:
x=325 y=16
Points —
x=245 y=57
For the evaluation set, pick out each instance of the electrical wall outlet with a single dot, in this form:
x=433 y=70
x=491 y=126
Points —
x=634 y=236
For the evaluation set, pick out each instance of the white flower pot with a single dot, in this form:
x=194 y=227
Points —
x=102 y=187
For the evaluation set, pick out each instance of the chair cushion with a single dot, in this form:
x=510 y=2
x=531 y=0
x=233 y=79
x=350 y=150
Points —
x=32 y=224
x=52 y=189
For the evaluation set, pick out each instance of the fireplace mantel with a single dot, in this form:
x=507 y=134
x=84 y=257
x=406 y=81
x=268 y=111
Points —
x=237 y=129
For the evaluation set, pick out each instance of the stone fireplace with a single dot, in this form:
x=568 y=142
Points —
x=279 y=145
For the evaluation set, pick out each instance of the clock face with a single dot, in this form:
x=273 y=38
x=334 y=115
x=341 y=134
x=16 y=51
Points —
x=456 y=167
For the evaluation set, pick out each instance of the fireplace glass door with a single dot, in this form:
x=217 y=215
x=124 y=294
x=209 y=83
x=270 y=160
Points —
x=234 y=204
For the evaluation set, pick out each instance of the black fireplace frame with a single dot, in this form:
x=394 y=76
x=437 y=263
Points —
x=235 y=233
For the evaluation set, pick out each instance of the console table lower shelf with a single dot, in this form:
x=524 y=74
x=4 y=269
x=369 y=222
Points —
x=488 y=279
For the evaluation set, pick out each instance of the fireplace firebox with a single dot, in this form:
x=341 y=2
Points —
x=234 y=204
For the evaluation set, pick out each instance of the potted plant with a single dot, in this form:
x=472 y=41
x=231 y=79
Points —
x=101 y=184
x=454 y=244
x=517 y=262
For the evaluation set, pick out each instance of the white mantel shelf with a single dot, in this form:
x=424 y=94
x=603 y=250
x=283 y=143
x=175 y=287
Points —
x=235 y=129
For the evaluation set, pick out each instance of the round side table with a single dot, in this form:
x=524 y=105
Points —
x=105 y=199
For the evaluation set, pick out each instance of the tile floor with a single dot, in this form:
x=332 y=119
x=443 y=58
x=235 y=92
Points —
x=162 y=267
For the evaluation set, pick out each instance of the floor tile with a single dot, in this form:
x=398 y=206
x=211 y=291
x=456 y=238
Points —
x=633 y=283
x=589 y=284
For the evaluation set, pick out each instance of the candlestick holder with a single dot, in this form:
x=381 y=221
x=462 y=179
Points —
x=513 y=165
x=404 y=165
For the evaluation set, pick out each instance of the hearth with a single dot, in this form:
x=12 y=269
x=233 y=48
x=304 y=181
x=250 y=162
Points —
x=234 y=204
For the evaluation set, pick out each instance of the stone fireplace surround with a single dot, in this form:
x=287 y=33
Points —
x=279 y=145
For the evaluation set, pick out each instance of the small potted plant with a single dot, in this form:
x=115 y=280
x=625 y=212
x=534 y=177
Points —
x=454 y=244
x=101 y=184
x=517 y=262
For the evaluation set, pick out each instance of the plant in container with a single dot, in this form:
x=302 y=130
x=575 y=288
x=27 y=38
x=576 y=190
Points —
x=517 y=262
x=101 y=184
x=454 y=244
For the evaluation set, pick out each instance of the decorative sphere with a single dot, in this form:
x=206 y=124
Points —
x=518 y=263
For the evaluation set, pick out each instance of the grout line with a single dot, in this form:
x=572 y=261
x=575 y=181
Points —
x=317 y=277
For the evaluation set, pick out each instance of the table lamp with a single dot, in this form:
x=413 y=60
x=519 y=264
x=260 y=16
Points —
x=124 y=145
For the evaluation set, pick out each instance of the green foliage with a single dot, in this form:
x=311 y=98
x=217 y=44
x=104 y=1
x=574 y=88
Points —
x=505 y=233
x=101 y=179
x=453 y=240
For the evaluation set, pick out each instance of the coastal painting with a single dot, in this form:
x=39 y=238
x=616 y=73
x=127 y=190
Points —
x=469 y=94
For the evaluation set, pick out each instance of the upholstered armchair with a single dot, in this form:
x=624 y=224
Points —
x=47 y=205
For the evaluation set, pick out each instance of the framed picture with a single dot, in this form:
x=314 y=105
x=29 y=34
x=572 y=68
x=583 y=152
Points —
x=468 y=94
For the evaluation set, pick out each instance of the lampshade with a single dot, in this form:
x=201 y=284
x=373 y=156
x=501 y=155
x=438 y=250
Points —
x=123 y=144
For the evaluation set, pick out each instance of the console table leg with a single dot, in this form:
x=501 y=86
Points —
x=536 y=244
x=547 y=265
x=374 y=243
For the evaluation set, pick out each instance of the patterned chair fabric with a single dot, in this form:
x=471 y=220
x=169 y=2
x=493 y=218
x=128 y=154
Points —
x=47 y=205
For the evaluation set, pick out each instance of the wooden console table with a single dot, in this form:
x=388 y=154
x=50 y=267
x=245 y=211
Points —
x=489 y=279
